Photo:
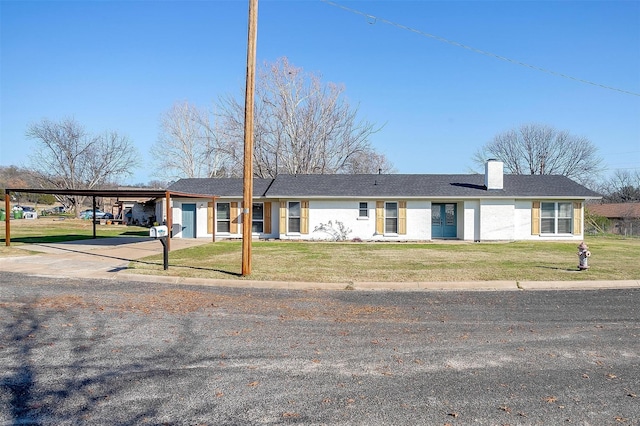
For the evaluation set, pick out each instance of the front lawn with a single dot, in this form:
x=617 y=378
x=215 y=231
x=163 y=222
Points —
x=612 y=259
x=55 y=229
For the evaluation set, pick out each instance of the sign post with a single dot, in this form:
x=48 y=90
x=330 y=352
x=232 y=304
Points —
x=162 y=233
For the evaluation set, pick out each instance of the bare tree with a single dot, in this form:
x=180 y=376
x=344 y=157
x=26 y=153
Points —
x=622 y=187
x=302 y=126
x=188 y=145
x=538 y=149
x=369 y=162
x=67 y=156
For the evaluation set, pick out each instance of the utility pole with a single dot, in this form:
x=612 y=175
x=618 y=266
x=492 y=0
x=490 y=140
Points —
x=247 y=208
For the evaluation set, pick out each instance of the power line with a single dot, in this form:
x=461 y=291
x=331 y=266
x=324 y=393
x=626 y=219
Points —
x=473 y=49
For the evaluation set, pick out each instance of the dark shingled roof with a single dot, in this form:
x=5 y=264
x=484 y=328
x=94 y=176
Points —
x=391 y=185
x=223 y=187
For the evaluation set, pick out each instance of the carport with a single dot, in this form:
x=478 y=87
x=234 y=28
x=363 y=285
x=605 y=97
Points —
x=114 y=193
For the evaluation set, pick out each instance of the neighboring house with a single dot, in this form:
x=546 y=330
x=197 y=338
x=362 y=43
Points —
x=624 y=218
x=394 y=207
x=131 y=210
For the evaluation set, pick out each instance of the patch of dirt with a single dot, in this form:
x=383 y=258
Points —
x=179 y=301
x=61 y=302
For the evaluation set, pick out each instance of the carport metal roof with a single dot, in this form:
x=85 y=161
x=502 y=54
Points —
x=141 y=193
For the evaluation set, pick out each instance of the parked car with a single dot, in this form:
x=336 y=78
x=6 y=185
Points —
x=88 y=214
x=56 y=210
x=26 y=209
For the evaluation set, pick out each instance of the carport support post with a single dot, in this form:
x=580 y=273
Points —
x=213 y=219
x=93 y=218
x=7 y=229
x=169 y=220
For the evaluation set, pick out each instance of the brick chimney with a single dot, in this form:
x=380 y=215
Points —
x=493 y=174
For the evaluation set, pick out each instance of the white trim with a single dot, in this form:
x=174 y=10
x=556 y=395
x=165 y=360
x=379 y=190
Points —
x=556 y=218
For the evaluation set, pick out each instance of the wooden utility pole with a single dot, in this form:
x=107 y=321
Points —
x=247 y=207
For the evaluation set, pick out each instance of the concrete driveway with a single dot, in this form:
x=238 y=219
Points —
x=101 y=257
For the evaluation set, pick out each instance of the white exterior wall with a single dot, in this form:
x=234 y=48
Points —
x=176 y=215
x=471 y=220
x=497 y=220
x=427 y=220
x=176 y=210
x=478 y=220
x=522 y=220
x=323 y=211
x=347 y=212
x=418 y=221
x=201 y=217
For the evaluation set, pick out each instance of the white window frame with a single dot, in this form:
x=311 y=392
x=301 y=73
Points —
x=255 y=221
x=290 y=217
x=556 y=218
x=218 y=220
x=362 y=210
x=397 y=217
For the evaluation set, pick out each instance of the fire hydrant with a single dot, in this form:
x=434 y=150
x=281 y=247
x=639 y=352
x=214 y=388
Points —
x=583 y=255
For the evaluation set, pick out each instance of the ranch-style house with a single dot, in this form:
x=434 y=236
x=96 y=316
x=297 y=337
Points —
x=385 y=207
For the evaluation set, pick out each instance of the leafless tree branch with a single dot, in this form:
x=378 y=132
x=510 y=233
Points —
x=67 y=156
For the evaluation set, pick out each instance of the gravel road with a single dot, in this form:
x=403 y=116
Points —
x=100 y=352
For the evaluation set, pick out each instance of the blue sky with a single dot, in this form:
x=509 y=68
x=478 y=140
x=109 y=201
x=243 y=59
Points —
x=119 y=65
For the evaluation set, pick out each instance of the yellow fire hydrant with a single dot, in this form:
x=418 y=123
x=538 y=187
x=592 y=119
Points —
x=583 y=255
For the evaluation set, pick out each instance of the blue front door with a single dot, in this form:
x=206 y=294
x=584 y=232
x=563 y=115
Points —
x=188 y=220
x=443 y=220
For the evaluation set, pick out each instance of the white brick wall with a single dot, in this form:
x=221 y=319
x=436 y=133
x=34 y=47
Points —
x=484 y=220
x=497 y=220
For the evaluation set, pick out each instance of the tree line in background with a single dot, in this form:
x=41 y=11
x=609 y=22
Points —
x=17 y=177
x=302 y=126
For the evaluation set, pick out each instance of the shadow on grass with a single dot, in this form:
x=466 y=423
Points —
x=72 y=237
x=555 y=268
x=49 y=239
x=200 y=268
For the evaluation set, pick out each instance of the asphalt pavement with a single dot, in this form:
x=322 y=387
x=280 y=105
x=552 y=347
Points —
x=82 y=341
x=87 y=351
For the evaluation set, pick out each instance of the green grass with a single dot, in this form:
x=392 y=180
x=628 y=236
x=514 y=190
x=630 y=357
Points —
x=612 y=259
x=55 y=230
